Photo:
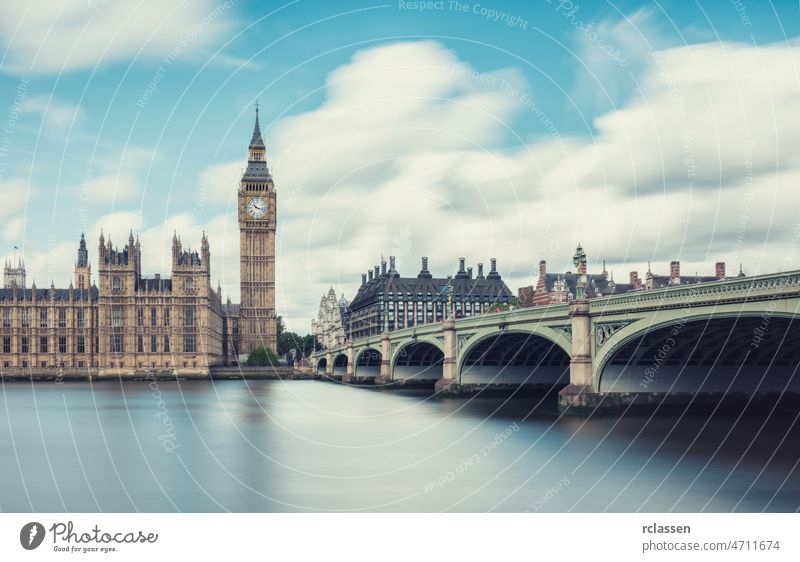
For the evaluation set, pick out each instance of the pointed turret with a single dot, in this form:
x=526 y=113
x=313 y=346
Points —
x=83 y=270
x=256 y=141
x=14 y=275
x=257 y=170
x=83 y=253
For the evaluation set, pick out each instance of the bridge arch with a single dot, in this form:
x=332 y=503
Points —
x=419 y=359
x=367 y=363
x=339 y=365
x=518 y=356
x=322 y=364
x=746 y=351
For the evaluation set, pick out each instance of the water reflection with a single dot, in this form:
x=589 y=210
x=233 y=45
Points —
x=301 y=445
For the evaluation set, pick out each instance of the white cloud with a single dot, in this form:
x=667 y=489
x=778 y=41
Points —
x=66 y=35
x=58 y=117
x=221 y=181
x=14 y=193
x=405 y=157
x=116 y=178
x=110 y=189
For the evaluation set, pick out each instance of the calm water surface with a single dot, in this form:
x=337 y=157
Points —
x=314 y=446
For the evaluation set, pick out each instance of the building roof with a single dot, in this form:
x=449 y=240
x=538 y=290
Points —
x=154 y=284
x=7 y=294
x=596 y=284
x=660 y=281
x=392 y=286
x=257 y=170
x=230 y=309
x=256 y=141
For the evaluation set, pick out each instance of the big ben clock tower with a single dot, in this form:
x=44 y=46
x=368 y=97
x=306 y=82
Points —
x=257 y=218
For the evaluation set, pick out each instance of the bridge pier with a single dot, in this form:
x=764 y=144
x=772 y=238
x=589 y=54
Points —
x=348 y=375
x=580 y=392
x=385 y=376
x=329 y=365
x=448 y=384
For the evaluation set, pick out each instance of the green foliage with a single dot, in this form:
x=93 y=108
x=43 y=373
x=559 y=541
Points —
x=512 y=304
x=288 y=341
x=262 y=356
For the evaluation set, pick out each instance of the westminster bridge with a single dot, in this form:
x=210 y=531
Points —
x=728 y=337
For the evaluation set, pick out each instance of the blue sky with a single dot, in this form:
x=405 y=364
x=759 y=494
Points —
x=647 y=131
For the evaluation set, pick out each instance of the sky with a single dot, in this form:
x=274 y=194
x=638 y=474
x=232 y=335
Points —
x=646 y=131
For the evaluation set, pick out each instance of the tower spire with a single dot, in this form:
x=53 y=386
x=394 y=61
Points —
x=257 y=141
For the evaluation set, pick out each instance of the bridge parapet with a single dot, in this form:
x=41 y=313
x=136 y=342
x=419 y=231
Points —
x=589 y=332
x=762 y=287
x=530 y=314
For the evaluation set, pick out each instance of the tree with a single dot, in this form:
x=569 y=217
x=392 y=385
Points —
x=261 y=356
x=288 y=341
x=513 y=304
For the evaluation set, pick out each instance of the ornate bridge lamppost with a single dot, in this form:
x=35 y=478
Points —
x=449 y=298
x=449 y=383
x=579 y=259
x=580 y=368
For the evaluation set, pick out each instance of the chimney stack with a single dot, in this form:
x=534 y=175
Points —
x=469 y=272
x=636 y=283
x=370 y=274
x=542 y=268
x=719 y=270
x=480 y=271
x=493 y=269
x=383 y=267
x=675 y=272
x=461 y=273
x=363 y=278
x=424 y=273
x=377 y=271
x=392 y=263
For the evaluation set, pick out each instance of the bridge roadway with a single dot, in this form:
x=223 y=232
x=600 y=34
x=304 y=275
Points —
x=729 y=337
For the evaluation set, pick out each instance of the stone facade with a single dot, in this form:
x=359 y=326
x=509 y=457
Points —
x=329 y=326
x=257 y=224
x=387 y=301
x=128 y=324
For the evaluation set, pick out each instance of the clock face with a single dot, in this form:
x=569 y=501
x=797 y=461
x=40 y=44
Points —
x=256 y=207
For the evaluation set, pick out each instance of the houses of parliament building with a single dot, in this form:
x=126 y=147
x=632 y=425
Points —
x=126 y=323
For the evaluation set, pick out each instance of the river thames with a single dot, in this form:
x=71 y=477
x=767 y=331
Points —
x=265 y=446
